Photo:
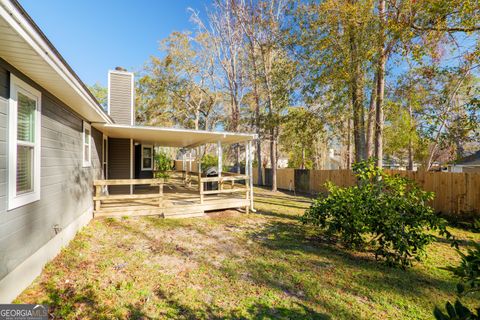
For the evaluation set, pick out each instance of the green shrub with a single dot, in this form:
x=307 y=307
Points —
x=209 y=161
x=388 y=214
x=163 y=164
x=469 y=274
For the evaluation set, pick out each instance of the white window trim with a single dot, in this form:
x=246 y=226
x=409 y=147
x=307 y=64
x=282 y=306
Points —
x=14 y=200
x=87 y=163
x=147 y=146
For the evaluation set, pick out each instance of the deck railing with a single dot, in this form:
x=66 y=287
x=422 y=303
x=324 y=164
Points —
x=99 y=184
x=222 y=182
x=225 y=185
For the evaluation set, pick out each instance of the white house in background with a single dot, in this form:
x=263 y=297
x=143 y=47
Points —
x=333 y=160
x=470 y=163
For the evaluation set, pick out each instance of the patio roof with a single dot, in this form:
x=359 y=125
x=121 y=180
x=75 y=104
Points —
x=172 y=137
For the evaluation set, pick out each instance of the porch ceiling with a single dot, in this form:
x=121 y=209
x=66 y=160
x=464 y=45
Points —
x=171 y=137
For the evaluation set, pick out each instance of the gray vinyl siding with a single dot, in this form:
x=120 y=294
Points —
x=119 y=163
x=121 y=95
x=66 y=186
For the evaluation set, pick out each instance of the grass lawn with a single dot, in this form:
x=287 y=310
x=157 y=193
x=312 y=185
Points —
x=232 y=265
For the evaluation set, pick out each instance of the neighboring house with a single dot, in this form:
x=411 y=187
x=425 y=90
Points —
x=470 y=163
x=282 y=162
x=55 y=139
x=333 y=160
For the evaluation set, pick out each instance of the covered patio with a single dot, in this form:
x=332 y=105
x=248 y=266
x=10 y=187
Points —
x=129 y=186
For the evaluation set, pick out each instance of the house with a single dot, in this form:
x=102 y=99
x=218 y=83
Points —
x=333 y=160
x=470 y=163
x=57 y=143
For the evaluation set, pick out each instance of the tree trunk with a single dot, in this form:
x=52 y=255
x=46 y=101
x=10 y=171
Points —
x=273 y=158
x=371 y=119
x=257 y=116
x=356 y=91
x=259 y=161
x=380 y=86
x=410 y=142
x=303 y=158
x=349 y=144
x=235 y=122
x=197 y=118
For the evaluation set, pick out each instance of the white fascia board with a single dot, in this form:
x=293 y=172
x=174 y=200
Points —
x=18 y=22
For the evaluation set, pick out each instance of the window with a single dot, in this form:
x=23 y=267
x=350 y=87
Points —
x=87 y=144
x=24 y=144
x=147 y=157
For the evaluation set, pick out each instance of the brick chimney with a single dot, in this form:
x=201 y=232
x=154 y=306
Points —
x=121 y=96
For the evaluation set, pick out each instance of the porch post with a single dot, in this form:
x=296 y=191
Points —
x=250 y=170
x=247 y=160
x=184 y=162
x=132 y=148
x=199 y=166
x=247 y=180
x=184 y=167
x=220 y=154
x=190 y=161
x=190 y=168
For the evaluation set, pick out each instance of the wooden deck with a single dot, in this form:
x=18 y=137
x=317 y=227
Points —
x=173 y=198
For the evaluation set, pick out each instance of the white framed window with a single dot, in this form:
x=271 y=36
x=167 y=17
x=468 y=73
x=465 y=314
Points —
x=24 y=143
x=147 y=157
x=87 y=144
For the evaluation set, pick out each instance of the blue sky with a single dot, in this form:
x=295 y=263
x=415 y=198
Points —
x=95 y=36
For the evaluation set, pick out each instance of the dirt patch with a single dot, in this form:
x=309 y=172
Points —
x=224 y=214
x=172 y=265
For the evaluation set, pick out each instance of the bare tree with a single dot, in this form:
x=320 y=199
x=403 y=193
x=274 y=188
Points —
x=227 y=38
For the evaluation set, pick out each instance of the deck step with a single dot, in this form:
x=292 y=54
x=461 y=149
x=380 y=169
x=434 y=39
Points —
x=130 y=213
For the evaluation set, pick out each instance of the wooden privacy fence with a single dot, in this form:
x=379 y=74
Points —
x=193 y=167
x=455 y=193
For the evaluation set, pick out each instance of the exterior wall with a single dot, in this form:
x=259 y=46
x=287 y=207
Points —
x=119 y=166
x=120 y=97
x=66 y=186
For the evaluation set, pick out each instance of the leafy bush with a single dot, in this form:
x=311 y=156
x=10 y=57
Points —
x=469 y=274
x=209 y=161
x=163 y=164
x=386 y=213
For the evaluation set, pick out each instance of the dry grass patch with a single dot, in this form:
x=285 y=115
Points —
x=231 y=265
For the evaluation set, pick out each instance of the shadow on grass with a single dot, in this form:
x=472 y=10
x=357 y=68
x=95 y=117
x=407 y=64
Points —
x=258 y=310
x=292 y=238
x=282 y=204
x=285 y=196
x=460 y=242
x=65 y=302
x=294 y=217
